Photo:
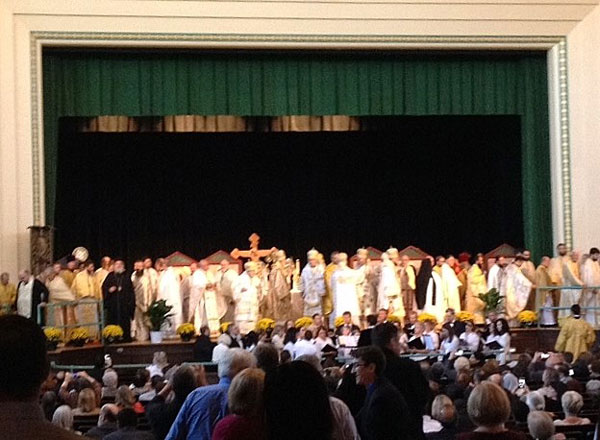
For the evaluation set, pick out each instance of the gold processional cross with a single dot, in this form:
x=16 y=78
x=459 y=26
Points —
x=254 y=253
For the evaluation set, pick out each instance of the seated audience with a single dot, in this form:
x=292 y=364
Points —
x=443 y=410
x=385 y=410
x=489 y=409
x=127 y=423
x=110 y=380
x=305 y=346
x=267 y=357
x=49 y=403
x=126 y=399
x=72 y=386
x=23 y=368
x=296 y=403
x=63 y=417
x=203 y=347
x=535 y=401
x=246 y=405
x=222 y=347
x=86 y=403
x=205 y=406
x=572 y=402
x=141 y=383
x=107 y=422
x=540 y=426
x=159 y=364
x=156 y=384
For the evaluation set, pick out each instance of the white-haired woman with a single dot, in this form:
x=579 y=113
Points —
x=572 y=402
x=63 y=417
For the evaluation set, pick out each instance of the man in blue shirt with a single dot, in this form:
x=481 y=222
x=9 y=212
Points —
x=205 y=406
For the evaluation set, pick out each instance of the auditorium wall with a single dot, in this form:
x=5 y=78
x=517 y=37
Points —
x=27 y=25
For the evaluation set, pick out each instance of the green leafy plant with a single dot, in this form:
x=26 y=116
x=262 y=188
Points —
x=491 y=299
x=158 y=313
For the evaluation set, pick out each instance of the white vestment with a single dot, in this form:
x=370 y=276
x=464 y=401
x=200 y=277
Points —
x=152 y=276
x=450 y=285
x=203 y=308
x=568 y=297
x=312 y=286
x=389 y=287
x=343 y=289
x=590 y=275
x=246 y=295
x=225 y=281
x=142 y=288
x=515 y=289
x=24 y=298
x=494 y=278
x=169 y=289
x=434 y=298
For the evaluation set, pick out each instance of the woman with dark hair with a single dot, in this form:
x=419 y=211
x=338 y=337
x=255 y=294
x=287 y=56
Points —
x=297 y=405
x=449 y=342
x=429 y=293
x=290 y=339
x=502 y=337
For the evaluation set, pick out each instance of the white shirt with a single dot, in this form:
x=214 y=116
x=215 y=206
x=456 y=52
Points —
x=448 y=346
x=471 y=339
x=320 y=343
x=24 y=298
x=303 y=347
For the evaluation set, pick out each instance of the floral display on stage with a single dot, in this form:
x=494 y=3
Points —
x=78 y=337
x=464 y=316
x=186 y=331
x=265 y=324
x=425 y=317
x=305 y=321
x=112 y=333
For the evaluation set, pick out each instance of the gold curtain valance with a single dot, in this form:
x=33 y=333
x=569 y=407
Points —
x=217 y=124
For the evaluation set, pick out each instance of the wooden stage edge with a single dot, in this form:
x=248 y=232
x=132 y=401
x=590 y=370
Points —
x=523 y=339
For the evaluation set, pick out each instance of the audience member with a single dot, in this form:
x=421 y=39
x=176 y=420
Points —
x=159 y=364
x=572 y=402
x=63 y=417
x=443 y=410
x=86 y=403
x=110 y=380
x=107 y=422
x=535 y=401
x=246 y=407
x=127 y=422
x=267 y=357
x=203 y=347
x=222 y=347
x=305 y=345
x=49 y=403
x=72 y=386
x=23 y=368
x=489 y=409
x=205 y=406
x=156 y=384
x=541 y=427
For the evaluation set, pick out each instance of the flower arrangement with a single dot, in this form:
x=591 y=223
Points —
x=491 y=299
x=112 y=333
x=339 y=321
x=527 y=318
x=158 y=313
x=186 y=331
x=464 y=316
x=265 y=324
x=305 y=321
x=427 y=317
x=53 y=334
x=225 y=326
x=79 y=336
x=394 y=318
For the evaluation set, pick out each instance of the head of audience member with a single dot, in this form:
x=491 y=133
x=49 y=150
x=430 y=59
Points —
x=63 y=417
x=535 y=401
x=285 y=357
x=86 y=401
x=510 y=383
x=233 y=361
x=571 y=402
x=224 y=339
x=245 y=395
x=347 y=318
x=550 y=377
x=488 y=407
x=24 y=363
x=124 y=397
x=443 y=410
x=160 y=359
x=501 y=327
x=369 y=366
x=317 y=320
x=110 y=379
x=462 y=365
x=48 y=403
x=184 y=381
x=592 y=388
x=157 y=382
x=287 y=392
x=371 y=320
x=385 y=336
x=267 y=357
x=127 y=418
x=540 y=425
x=382 y=316
x=108 y=414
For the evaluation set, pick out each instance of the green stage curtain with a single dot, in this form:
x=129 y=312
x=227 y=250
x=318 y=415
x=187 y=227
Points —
x=140 y=83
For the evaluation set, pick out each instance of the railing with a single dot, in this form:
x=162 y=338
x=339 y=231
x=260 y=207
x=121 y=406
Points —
x=64 y=306
x=568 y=308
x=73 y=368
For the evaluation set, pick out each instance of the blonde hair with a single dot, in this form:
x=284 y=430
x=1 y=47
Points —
x=124 y=397
x=442 y=408
x=246 y=392
x=488 y=405
x=86 y=401
x=571 y=402
x=540 y=425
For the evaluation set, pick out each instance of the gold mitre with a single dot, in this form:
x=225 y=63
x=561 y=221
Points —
x=313 y=254
x=251 y=265
x=392 y=252
x=362 y=252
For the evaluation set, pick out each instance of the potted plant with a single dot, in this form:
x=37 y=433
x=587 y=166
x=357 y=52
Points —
x=186 y=331
x=112 y=334
x=53 y=337
x=491 y=299
x=78 y=337
x=158 y=314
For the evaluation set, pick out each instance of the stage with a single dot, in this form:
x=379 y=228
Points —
x=140 y=353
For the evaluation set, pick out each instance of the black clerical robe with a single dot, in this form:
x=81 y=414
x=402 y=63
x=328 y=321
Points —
x=119 y=301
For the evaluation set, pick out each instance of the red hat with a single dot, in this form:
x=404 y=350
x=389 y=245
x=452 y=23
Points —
x=464 y=257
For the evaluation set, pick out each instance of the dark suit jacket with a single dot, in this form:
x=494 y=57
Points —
x=39 y=294
x=365 y=338
x=408 y=378
x=457 y=326
x=384 y=414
